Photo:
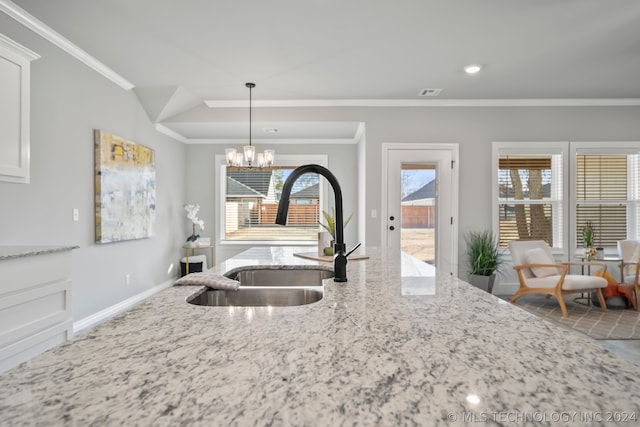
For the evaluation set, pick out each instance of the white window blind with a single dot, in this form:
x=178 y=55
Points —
x=603 y=196
x=530 y=198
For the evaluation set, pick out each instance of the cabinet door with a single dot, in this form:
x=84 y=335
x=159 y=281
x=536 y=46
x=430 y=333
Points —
x=14 y=110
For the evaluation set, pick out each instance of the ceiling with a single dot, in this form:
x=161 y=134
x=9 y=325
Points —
x=180 y=54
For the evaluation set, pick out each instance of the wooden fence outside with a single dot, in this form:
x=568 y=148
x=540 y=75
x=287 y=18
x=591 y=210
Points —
x=418 y=216
x=298 y=214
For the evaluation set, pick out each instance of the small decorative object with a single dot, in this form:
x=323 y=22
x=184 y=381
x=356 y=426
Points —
x=330 y=226
x=324 y=242
x=484 y=259
x=588 y=236
x=600 y=253
x=192 y=212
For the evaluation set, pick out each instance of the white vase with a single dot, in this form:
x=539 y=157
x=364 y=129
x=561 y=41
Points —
x=324 y=241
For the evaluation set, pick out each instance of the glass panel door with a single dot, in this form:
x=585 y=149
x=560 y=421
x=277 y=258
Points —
x=418 y=207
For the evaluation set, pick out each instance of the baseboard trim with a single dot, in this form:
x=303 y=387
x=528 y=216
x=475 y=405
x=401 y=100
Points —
x=109 y=312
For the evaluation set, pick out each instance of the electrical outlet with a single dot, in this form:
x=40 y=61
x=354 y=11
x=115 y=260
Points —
x=76 y=214
x=127 y=279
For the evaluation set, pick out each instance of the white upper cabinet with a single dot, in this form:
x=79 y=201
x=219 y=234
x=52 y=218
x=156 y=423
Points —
x=14 y=110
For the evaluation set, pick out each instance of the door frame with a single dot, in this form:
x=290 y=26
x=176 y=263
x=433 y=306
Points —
x=454 y=150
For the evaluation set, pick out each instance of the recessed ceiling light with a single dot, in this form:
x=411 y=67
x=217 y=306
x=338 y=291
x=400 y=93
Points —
x=271 y=130
x=472 y=69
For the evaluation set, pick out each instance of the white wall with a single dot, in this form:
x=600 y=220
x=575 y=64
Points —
x=68 y=101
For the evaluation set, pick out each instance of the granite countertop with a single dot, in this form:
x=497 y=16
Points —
x=8 y=252
x=381 y=349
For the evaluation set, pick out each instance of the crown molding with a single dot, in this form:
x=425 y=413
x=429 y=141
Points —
x=18 y=48
x=171 y=133
x=525 y=102
x=272 y=141
x=34 y=24
x=230 y=141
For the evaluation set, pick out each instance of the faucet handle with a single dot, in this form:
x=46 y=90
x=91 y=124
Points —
x=353 y=250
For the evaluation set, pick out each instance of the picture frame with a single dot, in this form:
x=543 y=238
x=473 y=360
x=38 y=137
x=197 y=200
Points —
x=125 y=189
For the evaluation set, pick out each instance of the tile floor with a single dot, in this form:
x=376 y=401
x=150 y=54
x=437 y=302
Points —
x=629 y=349
x=626 y=348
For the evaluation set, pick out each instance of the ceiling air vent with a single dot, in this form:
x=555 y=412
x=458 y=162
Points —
x=430 y=92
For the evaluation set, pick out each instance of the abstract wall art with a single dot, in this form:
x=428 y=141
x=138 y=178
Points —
x=125 y=189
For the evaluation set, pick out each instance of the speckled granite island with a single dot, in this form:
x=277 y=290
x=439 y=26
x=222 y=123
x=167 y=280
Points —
x=13 y=252
x=380 y=350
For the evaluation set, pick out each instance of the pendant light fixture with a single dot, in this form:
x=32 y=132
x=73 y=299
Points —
x=235 y=158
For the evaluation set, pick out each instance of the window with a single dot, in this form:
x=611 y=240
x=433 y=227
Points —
x=250 y=198
x=606 y=195
x=537 y=199
x=529 y=197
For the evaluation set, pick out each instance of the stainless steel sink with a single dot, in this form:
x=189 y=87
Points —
x=290 y=276
x=260 y=287
x=257 y=296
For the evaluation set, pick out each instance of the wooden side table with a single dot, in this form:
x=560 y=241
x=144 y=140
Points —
x=193 y=251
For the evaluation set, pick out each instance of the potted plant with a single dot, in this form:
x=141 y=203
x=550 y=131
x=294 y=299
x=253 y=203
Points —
x=484 y=257
x=588 y=238
x=330 y=226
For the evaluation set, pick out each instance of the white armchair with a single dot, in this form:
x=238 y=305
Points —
x=539 y=273
x=629 y=251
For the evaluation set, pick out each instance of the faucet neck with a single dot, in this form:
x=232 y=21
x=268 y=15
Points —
x=283 y=207
x=340 y=249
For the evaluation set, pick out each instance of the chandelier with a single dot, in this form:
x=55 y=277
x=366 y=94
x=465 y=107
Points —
x=249 y=156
